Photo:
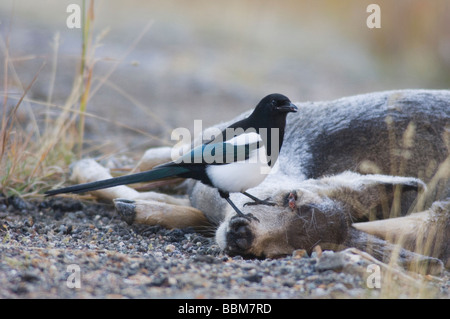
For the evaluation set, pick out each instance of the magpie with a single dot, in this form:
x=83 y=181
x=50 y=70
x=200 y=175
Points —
x=238 y=158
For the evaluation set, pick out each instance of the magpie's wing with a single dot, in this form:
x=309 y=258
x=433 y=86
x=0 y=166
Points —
x=238 y=148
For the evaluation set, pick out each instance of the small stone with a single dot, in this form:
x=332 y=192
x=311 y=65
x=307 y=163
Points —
x=18 y=203
x=319 y=292
x=29 y=277
x=318 y=251
x=335 y=262
x=172 y=281
x=169 y=248
x=254 y=278
x=299 y=253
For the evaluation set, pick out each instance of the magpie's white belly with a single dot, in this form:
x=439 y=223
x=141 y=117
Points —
x=240 y=176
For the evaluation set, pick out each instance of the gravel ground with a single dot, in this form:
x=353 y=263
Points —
x=49 y=247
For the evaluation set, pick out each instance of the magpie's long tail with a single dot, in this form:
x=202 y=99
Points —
x=154 y=174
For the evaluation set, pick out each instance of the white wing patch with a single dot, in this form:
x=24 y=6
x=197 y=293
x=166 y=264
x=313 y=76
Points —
x=245 y=138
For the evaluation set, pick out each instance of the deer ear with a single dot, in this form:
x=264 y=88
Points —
x=371 y=197
x=398 y=195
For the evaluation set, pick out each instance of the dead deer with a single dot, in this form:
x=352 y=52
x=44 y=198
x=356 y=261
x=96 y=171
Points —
x=365 y=171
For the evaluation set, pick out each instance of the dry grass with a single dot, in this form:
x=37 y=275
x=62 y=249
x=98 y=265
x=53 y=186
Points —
x=34 y=160
x=424 y=238
x=30 y=158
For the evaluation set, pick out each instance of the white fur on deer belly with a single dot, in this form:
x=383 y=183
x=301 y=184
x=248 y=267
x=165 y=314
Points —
x=240 y=176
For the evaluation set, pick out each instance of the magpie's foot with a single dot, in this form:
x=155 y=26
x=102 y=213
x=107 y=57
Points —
x=260 y=202
x=250 y=217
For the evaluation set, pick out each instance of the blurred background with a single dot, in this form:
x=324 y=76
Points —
x=158 y=65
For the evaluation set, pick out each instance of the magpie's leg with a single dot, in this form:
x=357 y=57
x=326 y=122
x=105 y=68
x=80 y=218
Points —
x=237 y=210
x=257 y=201
x=234 y=207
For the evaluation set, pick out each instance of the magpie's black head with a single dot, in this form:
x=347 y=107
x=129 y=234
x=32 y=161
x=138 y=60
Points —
x=275 y=105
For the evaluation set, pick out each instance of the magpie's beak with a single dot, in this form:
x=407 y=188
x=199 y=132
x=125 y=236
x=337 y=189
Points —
x=287 y=108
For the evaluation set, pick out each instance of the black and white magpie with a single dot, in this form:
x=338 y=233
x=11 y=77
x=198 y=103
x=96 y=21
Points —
x=237 y=159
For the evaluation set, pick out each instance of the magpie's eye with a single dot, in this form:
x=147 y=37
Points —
x=273 y=102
